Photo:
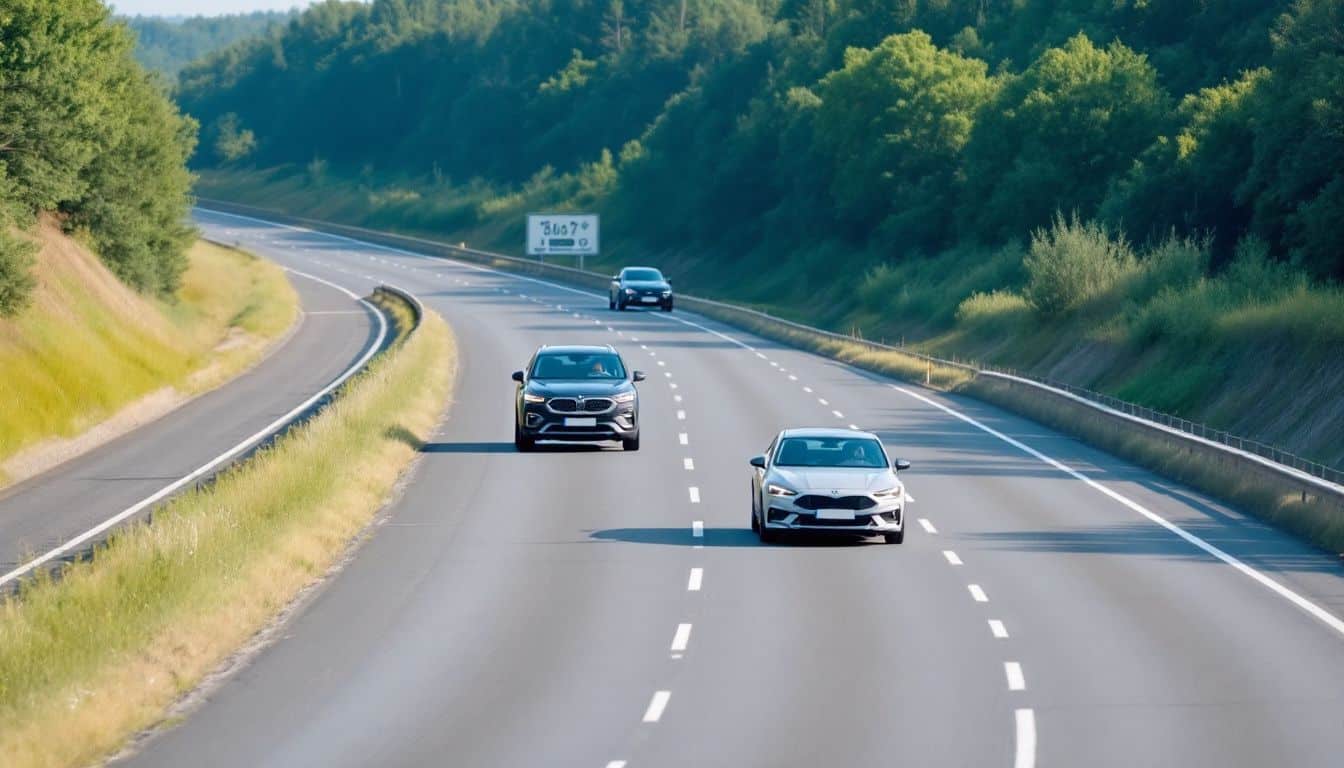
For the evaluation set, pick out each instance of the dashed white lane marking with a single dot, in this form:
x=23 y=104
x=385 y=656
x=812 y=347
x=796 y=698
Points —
x=677 y=398
x=656 y=706
x=952 y=557
x=1013 y=671
x=668 y=374
x=854 y=427
x=696 y=578
x=1322 y=615
x=792 y=377
x=698 y=529
x=681 y=415
x=616 y=764
x=763 y=357
x=808 y=390
x=997 y=629
x=683 y=438
x=911 y=500
x=823 y=401
x=688 y=463
x=694 y=494
x=924 y=522
x=662 y=362
x=838 y=414
x=978 y=593
x=635 y=339
x=773 y=364
x=681 y=638
x=1026 y=739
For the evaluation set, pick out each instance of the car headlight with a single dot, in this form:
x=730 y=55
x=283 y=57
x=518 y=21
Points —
x=774 y=489
x=667 y=292
x=630 y=291
x=624 y=397
x=889 y=493
x=528 y=397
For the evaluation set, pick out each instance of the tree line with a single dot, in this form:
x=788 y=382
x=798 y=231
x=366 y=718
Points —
x=90 y=137
x=165 y=45
x=757 y=133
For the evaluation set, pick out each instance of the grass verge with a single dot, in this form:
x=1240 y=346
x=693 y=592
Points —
x=88 y=347
x=93 y=657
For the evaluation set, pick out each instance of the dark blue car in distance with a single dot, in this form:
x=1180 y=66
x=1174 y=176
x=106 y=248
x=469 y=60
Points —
x=639 y=287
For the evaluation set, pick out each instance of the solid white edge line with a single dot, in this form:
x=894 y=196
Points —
x=694 y=581
x=214 y=463
x=1324 y=616
x=1025 y=756
x=997 y=629
x=1013 y=671
x=656 y=706
x=681 y=638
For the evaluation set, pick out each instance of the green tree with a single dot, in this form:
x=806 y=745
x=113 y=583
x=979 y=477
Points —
x=1058 y=134
x=893 y=123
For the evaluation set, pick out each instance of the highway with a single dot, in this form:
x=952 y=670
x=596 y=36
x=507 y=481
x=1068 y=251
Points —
x=48 y=510
x=1052 y=605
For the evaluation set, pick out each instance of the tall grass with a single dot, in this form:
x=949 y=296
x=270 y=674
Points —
x=87 y=660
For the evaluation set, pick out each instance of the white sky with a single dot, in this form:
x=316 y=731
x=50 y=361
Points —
x=200 y=7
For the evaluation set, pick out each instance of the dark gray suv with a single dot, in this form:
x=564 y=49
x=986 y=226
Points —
x=576 y=394
x=639 y=287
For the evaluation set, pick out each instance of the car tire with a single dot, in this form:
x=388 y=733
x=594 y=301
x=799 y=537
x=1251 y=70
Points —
x=894 y=538
x=667 y=307
x=767 y=535
x=620 y=305
x=611 y=303
x=630 y=443
x=755 y=523
x=522 y=442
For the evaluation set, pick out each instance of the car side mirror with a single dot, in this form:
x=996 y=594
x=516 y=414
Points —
x=615 y=278
x=758 y=462
x=518 y=376
x=900 y=464
x=638 y=376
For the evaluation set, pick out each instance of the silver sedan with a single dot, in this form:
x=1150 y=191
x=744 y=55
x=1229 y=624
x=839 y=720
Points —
x=827 y=481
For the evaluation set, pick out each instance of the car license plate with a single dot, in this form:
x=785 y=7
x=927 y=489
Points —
x=649 y=299
x=573 y=421
x=834 y=514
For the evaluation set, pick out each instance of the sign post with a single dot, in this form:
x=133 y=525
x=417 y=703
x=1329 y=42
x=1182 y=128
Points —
x=562 y=234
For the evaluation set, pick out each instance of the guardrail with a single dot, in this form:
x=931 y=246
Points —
x=1299 y=468
x=408 y=298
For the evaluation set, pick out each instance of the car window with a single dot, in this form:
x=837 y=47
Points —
x=650 y=275
x=578 y=366
x=862 y=452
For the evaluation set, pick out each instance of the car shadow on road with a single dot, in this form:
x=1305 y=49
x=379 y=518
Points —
x=508 y=447
x=721 y=538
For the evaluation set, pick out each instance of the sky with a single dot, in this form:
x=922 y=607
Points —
x=200 y=7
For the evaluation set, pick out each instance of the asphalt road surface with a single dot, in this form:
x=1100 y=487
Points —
x=598 y=608
x=48 y=510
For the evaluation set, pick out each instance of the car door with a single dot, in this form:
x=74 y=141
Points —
x=758 y=477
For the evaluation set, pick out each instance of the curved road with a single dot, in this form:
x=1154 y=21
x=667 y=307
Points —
x=45 y=511
x=1052 y=605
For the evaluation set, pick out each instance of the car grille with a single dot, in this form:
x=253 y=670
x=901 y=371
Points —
x=572 y=405
x=861 y=522
x=815 y=501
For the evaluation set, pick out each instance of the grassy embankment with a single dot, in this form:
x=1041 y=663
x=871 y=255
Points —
x=89 y=349
x=1249 y=347
x=87 y=661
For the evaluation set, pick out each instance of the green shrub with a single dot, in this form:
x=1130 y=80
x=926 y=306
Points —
x=16 y=278
x=1072 y=262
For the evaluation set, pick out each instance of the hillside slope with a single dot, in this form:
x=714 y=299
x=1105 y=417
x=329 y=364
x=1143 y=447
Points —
x=90 y=358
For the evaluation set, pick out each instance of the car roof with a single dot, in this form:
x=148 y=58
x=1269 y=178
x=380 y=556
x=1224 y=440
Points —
x=655 y=269
x=576 y=349
x=826 y=432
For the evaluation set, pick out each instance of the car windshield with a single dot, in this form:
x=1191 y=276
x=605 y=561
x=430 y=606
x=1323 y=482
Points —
x=643 y=275
x=863 y=452
x=578 y=366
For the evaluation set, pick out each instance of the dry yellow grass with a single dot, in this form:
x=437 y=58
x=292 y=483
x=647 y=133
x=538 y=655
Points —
x=88 y=346
x=89 y=660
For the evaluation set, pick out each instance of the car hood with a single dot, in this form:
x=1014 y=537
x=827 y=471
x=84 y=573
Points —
x=646 y=285
x=587 y=388
x=825 y=479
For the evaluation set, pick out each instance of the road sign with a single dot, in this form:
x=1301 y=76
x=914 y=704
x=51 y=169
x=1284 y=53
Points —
x=561 y=234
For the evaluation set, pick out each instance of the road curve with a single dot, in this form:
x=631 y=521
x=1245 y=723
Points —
x=50 y=509
x=559 y=608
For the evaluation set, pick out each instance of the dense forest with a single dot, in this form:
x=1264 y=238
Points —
x=165 y=45
x=1145 y=198
x=88 y=136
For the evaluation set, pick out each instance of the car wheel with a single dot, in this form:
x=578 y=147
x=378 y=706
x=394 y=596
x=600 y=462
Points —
x=767 y=535
x=620 y=305
x=755 y=523
x=611 y=303
x=522 y=442
x=668 y=306
x=630 y=443
x=894 y=538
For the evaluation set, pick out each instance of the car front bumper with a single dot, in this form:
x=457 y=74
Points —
x=539 y=423
x=868 y=522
